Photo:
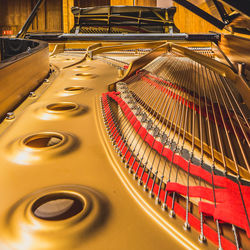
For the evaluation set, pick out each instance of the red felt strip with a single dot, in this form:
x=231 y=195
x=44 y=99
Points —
x=198 y=171
x=222 y=195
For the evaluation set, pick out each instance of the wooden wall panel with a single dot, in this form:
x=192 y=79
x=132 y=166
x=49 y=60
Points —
x=121 y=2
x=37 y=24
x=51 y=18
x=68 y=17
x=14 y=13
x=189 y=22
x=1 y=15
x=150 y=3
x=90 y=3
x=185 y=20
x=54 y=15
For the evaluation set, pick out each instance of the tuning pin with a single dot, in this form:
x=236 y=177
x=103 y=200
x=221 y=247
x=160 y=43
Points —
x=130 y=171
x=32 y=94
x=10 y=116
x=135 y=176
x=151 y=194
x=172 y=213
x=123 y=159
x=186 y=226
x=164 y=206
x=157 y=201
x=202 y=238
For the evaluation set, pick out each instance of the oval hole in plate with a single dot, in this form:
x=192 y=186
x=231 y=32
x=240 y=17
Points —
x=83 y=67
x=58 y=206
x=75 y=88
x=42 y=140
x=61 y=106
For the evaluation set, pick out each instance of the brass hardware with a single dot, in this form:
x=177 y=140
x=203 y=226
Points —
x=10 y=116
x=32 y=94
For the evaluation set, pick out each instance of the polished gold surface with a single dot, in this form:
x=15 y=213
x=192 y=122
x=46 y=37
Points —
x=86 y=167
x=55 y=154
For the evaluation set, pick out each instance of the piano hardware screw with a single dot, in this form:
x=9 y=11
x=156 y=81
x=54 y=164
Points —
x=10 y=116
x=140 y=182
x=164 y=207
x=32 y=94
x=151 y=194
x=172 y=213
x=157 y=201
x=202 y=238
x=186 y=226
x=145 y=188
x=123 y=159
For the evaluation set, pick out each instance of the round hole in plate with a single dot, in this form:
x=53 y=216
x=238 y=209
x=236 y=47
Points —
x=61 y=106
x=57 y=206
x=84 y=74
x=74 y=88
x=43 y=140
x=82 y=66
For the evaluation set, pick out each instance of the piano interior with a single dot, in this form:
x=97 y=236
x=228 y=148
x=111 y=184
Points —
x=124 y=131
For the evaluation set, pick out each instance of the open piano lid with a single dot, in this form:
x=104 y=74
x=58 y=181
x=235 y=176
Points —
x=229 y=14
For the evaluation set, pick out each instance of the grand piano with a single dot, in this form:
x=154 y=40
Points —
x=126 y=133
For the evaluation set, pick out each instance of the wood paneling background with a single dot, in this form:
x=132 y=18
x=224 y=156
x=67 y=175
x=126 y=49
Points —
x=151 y=3
x=184 y=19
x=90 y=3
x=55 y=15
x=68 y=17
x=188 y=22
x=14 y=13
